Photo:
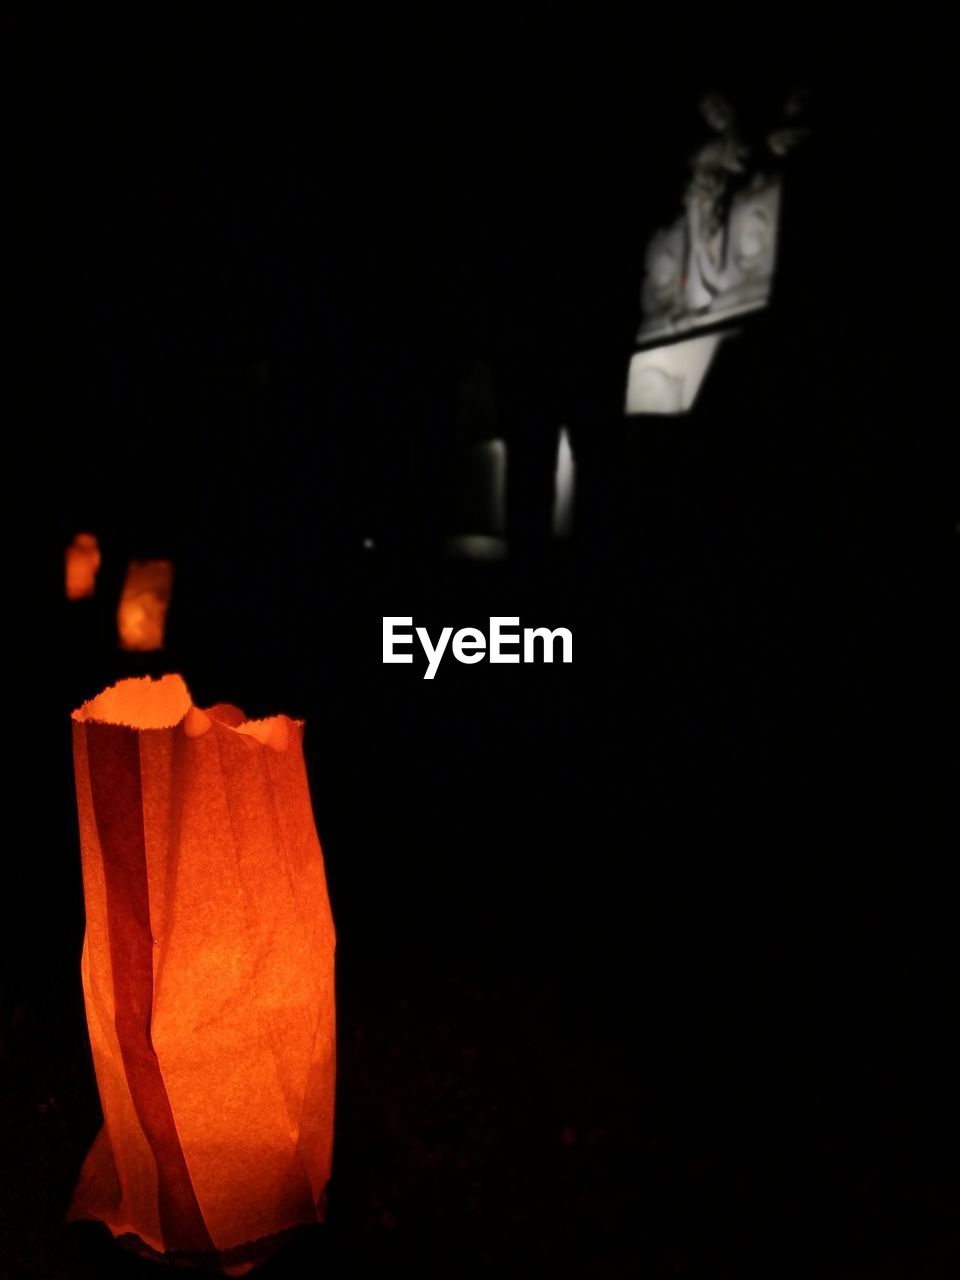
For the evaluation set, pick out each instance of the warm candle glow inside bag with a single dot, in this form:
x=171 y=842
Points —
x=207 y=971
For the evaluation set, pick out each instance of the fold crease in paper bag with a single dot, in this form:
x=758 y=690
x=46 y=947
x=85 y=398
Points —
x=208 y=969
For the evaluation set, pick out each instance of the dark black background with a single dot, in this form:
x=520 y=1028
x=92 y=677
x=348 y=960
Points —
x=644 y=963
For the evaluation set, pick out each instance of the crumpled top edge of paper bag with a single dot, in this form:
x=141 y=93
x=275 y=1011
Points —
x=142 y=703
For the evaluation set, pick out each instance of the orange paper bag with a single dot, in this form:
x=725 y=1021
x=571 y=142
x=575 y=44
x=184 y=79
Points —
x=207 y=971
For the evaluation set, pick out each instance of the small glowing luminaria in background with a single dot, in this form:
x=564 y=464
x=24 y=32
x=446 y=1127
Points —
x=564 y=487
x=667 y=379
x=142 y=613
x=82 y=563
x=368 y=544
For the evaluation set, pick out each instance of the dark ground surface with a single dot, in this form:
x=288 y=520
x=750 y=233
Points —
x=641 y=964
x=646 y=965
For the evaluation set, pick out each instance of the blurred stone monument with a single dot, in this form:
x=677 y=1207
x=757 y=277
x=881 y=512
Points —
x=715 y=263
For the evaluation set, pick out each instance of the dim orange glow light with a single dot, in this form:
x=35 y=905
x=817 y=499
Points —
x=142 y=614
x=208 y=972
x=82 y=562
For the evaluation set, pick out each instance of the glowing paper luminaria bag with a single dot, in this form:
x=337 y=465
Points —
x=142 y=612
x=207 y=971
x=82 y=561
